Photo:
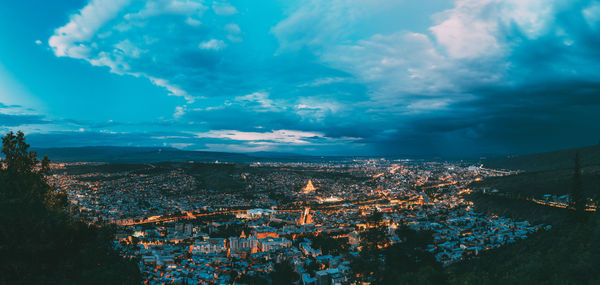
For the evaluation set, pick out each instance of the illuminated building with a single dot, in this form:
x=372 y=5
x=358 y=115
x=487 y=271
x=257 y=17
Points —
x=306 y=217
x=309 y=188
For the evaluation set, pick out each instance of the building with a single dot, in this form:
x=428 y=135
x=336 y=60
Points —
x=270 y=244
x=309 y=188
x=305 y=217
x=210 y=246
x=243 y=244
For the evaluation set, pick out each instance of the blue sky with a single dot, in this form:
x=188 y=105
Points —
x=464 y=77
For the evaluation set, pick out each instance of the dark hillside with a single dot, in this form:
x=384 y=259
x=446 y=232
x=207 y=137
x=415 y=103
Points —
x=555 y=182
x=560 y=159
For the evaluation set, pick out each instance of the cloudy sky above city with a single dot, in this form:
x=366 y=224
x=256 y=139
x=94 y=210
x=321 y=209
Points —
x=377 y=77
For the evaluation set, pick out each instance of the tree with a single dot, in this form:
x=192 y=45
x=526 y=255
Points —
x=375 y=219
x=373 y=239
x=406 y=262
x=328 y=244
x=284 y=273
x=40 y=243
x=577 y=200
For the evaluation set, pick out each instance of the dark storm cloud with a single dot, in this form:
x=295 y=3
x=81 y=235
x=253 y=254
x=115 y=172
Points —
x=7 y=120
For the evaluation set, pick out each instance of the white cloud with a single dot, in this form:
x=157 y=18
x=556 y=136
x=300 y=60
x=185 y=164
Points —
x=180 y=145
x=238 y=147
x=592 y=15
x=233 y=28
x=315 y=23
x=466 y=47
x=316 y=109
x=395 y=64
x=465 y=33
x=173 y=90
x=38 y=42
x=277 y=136
x=180 y=111
x=474 y=28
x=323 y=81
x=193 y=22
x=223 y=8
x=68 y=39
x=427 y=105
x=212 y=44
x=261 y=98
x=135 y=38
x=233 y=32
x=152 y=8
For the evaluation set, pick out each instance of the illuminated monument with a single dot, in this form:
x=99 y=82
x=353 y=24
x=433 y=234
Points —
x=305 y=217
x=309 y=188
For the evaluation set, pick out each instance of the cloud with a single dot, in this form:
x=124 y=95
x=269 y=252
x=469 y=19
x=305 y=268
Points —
x=68 y=40
x=315 y=23
x=7 y=120
x=592 y=15
x=233 y=28
x=474 y=29
x=259 y=101
x=224 y=8
x=477 y=77
x=277 y=136
x=465 y=33
x=129 y=38
x=213 y=44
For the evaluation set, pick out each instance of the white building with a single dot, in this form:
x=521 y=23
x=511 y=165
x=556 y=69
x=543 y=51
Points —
x=210 y=246
x=269 y=244
x=250 y=243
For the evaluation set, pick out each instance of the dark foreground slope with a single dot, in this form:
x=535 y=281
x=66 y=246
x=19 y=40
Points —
x=566 y=254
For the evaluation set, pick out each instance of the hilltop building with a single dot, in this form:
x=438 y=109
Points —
x=309 y=188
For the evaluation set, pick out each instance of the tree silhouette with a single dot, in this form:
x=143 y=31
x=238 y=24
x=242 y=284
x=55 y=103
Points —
x=577 y=200
x=284 y=273
x=40 y=243
x=406 y=262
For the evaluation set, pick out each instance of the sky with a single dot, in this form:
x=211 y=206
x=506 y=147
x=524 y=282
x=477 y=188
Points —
x=337 y=77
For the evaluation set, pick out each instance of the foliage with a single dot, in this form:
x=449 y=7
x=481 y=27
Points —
x=403 y=263
x=39 y=242
x=330 y=245
x=518 y=209
x=252 y=280
x=284 y=273
x=577 y=200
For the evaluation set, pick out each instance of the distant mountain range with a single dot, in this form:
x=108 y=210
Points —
x=123 y=154
x=118 y=154
x=560 y=159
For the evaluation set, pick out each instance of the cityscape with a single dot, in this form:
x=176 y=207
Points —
x=183 y=233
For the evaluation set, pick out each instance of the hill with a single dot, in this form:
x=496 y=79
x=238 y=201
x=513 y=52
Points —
x=132 y=155
x=538 y=183
x=546 y=173
x=560 y=159
x=566 y=254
